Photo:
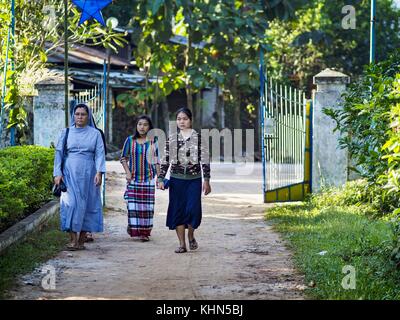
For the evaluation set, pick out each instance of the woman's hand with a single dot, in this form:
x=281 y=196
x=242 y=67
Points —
x=98 y=179
x=206 y=187
x=58 y=179
x=160 y=185
x=128 y=177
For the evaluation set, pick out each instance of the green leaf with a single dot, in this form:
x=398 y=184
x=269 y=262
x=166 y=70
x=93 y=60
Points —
x=156 y=6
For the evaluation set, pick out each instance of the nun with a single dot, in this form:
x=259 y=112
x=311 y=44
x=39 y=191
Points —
x=83 y=166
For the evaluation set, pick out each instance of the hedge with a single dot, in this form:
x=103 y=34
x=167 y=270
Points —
x=25 y=181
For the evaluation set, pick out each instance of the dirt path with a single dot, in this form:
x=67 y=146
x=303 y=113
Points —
x=239 y=256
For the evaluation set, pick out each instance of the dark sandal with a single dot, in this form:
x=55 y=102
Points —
x=181 y=250
x=81 y=247
x=89 y=237
x=71 y=247
x=193 y=245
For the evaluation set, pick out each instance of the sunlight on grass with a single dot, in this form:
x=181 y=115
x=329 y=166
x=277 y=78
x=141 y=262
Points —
x=325 y=239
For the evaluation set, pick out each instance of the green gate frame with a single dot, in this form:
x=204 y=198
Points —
x=290 y=127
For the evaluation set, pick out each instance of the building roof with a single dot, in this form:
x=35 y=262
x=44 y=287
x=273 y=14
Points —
x=117 y=79
x=79 y=54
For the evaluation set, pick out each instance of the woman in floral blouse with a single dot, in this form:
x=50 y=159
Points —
x=188 y=155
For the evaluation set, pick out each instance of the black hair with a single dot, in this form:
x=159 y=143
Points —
x=185 y=111
x=142 y=117
x=82 y=105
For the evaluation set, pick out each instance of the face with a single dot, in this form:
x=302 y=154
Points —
x=183 y=121
x=143 y=126
x=81 y=117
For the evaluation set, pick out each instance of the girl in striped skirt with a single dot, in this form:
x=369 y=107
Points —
x=140 y=160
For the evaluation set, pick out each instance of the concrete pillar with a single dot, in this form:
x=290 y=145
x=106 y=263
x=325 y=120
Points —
x=329 y=162
x=48 y=111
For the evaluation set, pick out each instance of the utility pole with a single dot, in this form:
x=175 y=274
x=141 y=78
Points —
x=372 y=32
x=66 y=61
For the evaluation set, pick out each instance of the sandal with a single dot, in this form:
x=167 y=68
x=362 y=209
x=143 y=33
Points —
x=181 y=250
x=193 y=245
x=89 y=237
x=71 y=247
x=144 y=238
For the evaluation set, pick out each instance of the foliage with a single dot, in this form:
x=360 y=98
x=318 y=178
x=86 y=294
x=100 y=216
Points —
x=294 y=55
x=331 y=231
x=23 y=257
x=39 y=32
x=221 y=43
x=315 y=39
x=364 y=120
x=26 y=175
x=368 y=126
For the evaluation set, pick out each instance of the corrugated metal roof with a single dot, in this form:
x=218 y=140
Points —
x=117 y=79
x=82 y=54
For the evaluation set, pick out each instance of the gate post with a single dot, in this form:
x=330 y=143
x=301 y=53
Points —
x=48 y=111
x=329 y=163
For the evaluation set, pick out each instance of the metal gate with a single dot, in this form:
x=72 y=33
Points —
x=94 y=99
x=286 y=141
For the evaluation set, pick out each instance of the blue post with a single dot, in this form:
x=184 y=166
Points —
x=261 y=112
x=372 y=32
x=3 y=92
x=10 y=38
x=104 y=120
x=12 y=130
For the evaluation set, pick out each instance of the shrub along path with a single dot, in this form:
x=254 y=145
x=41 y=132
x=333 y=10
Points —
x=239 y=256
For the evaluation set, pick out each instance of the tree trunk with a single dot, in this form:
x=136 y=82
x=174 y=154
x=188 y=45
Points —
x=198 y=111
x=217 y=108
x=156 y=105
x=188 y=58
x=146 y=106
x=165 y=115
x=236 y=105
x=108 y=105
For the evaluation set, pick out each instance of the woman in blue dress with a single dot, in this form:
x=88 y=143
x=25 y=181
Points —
x=84 y=164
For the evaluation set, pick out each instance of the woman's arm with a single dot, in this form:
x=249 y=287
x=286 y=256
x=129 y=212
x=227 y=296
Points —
x=163 y=168
x=100 y=157
x=164 y=162
x=124 y=158
x=205 y=165
x=57 y=174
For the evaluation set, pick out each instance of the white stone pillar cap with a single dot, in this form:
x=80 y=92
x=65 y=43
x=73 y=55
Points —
x=329 y=76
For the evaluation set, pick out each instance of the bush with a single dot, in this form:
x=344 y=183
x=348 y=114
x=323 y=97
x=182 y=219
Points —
x=25 y=181
x=369 y=128
x=370 y=198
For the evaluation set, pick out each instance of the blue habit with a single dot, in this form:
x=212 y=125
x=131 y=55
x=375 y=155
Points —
x=80 y=206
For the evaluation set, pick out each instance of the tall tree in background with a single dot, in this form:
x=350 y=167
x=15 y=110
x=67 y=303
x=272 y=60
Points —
x=38 y=31
x=315 y=39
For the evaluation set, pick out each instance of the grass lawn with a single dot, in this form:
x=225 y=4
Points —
x=24 y=257
x=350 y=238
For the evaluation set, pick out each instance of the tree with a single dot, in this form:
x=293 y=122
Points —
x=315 y=39
x=223 y=39
x=38 y=31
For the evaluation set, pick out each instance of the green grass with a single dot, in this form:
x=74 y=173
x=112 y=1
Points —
x=350 y=238
x=24 y=257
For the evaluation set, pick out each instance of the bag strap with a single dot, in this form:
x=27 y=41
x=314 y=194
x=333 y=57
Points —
x=64 y=150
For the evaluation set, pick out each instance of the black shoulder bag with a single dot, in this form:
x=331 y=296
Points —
x=57 y=189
